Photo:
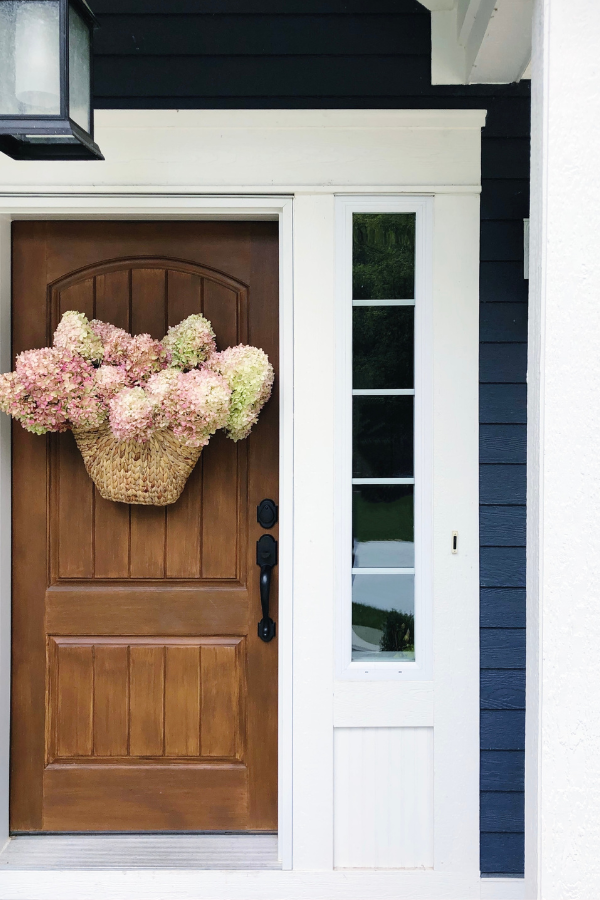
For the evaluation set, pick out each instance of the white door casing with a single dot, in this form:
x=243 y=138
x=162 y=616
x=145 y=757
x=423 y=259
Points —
x=295 y=165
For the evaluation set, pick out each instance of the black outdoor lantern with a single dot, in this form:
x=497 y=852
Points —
x=46 y=80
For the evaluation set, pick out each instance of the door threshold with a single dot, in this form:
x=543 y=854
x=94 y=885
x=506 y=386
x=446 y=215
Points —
x=141 y=851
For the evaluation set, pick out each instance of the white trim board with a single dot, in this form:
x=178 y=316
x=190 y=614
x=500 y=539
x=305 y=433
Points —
x=273 y=207
x=257 y=151
x=142 y=851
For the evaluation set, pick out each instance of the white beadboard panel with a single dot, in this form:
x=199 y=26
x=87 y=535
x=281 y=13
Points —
x=379 y=704
x=383 y=798
x=502 y=889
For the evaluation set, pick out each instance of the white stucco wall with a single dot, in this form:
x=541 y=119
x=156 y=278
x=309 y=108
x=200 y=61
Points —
x=563 y=758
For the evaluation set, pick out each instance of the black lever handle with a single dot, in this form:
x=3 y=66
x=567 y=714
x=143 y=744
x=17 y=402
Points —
x=266 y=558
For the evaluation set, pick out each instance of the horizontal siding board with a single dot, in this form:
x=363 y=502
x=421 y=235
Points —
x=503 y=198
x=502 y=484
x=506 y=116
x=503 y=404
x=502 y=729
x=502 y=363
x=502 y=854
x=502 y=608
x=502 y=443
x=502 y=648
x=501 y=240
x=502 y=770
x=505 y=157
x=503 y=322
x=255 y=7
x=222 y=35
x=502 y=566
x=502 y=811
x=248 y=76
x=420 y=99
x=502 y=282
x=502 y=526
x=502 y=689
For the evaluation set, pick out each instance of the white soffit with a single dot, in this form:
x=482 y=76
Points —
x=236 y=151
x=479 y=41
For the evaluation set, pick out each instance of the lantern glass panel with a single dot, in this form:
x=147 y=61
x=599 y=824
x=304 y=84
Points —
x=79 y=70
x=29 y=57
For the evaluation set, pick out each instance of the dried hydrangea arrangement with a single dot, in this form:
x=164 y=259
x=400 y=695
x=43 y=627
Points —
x=141 y=410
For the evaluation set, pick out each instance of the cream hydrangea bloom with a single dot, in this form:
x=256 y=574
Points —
x=249 y=374
x=132 y=415
x=190 y=343
x=75 y=335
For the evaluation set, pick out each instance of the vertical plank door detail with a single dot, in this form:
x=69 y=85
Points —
x=130 y=699
x=142 y=697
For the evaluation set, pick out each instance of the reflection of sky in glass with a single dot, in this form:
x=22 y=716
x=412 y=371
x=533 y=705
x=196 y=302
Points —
x=385 y=591
x=381 y=592
x=384 y=554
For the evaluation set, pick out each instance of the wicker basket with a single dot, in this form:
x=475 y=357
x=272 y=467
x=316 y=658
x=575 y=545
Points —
x=152 y=474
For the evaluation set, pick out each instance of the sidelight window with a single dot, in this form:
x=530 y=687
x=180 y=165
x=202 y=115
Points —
x=383 y=385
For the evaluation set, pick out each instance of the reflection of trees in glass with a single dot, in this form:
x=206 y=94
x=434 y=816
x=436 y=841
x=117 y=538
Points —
x=382 y=430
x=383 y=346
x=398 y=631
x=369 y=616
x=398 y=628
x=383 y=256
x=382 y=512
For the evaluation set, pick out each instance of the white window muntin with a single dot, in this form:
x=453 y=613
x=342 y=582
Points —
x=421 y=668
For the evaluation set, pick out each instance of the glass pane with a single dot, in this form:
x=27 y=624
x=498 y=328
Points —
x=383 y=617
x=382 y=437
x=383 y=526
x=383 y=346
x=29 y=58
x=383 y=256
x=79 y=70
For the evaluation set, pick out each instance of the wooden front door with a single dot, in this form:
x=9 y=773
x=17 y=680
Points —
x=142 y=696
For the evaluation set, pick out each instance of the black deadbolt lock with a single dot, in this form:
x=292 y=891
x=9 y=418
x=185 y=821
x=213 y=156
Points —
x=266 y=513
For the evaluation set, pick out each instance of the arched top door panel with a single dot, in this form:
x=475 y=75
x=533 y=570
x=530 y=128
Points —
x=150 y=294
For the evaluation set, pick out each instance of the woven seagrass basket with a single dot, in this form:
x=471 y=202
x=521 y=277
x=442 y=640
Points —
x=152 y=474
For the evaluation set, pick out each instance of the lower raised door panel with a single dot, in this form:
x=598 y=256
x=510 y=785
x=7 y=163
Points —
x=383 y=798
x=145 y=733
x=124 y=699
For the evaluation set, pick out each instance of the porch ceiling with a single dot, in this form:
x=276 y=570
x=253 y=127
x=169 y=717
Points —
x=479 y=41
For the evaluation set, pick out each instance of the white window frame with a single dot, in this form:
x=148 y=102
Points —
x=388 y=670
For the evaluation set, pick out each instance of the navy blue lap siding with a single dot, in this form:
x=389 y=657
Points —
x=344 y=54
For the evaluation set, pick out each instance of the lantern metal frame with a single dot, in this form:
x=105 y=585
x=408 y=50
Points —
x=77 y=143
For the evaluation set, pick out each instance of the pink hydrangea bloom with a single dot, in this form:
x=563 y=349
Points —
x=196 y=406
x=249 y=374
x=143 y=358
x=160 y=388
x=116 y=342
x=54 y=388
x=132 y=415
x=16 y=402
x=108 y=381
